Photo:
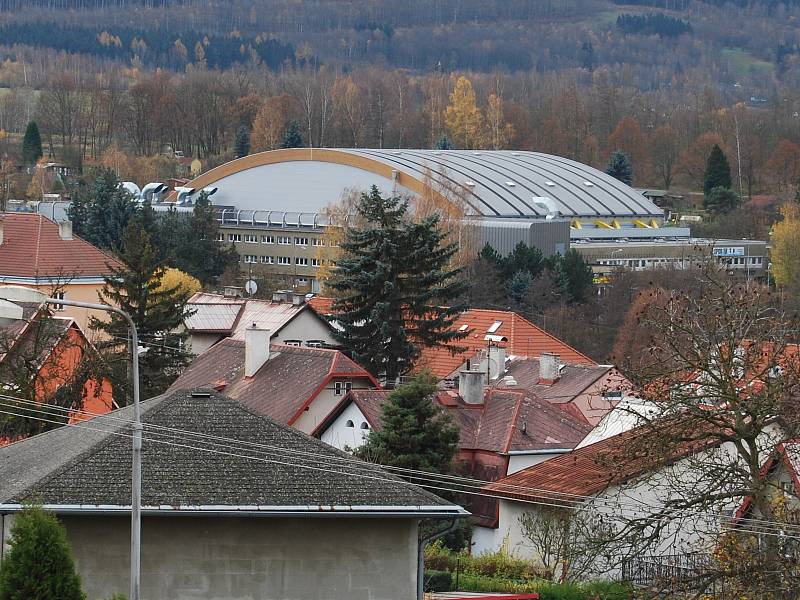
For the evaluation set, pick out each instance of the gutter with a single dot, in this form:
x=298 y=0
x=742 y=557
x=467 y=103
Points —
x=434 y=512
x=421 y=556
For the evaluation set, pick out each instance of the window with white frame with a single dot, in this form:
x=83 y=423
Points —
x=267 y=239
x=220 y=237
x=268 y=260
x=284 y=260
x=284 y=240
x=234 y=237
x=301 y=241
x=317 y=242
x=337 y=388
x=303 y=262
x=293 y=342
x=59 y=296
x=317 y=262
x=250 y=258
x=250 y=238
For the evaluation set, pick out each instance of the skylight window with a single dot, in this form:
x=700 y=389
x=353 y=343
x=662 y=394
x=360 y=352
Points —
x=469 y=183
x=495 y=326
x=549 y=184
x=588 y=184
x=510 y=183
x=463 y=328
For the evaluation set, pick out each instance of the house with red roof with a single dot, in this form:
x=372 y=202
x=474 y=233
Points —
x=39 y=253
x=291 y=321
x=294 y=385
x=42 y=358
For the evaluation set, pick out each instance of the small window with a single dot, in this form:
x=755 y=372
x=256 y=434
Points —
x=348 y=386
x=267 y=260
x=301 y=241
x=234 y=237
x=317 y=262
x=220 y=237
x=317 y=242
x=349 y=423
x=495 y=326
x=364 y=425
x=787 y=487
x=284 y=240
x=284 y=260
x=293 y=342
x=250 y=258
x=250 y=238
x=315 y=343
x=337 y=389
x=463 y=328
x=303 y=262
x=267 y=239
x=59 y=296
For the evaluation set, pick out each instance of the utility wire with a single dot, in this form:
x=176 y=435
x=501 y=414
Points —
x=428 y=477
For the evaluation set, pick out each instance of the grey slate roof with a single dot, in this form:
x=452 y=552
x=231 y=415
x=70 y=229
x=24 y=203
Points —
x=81 y=469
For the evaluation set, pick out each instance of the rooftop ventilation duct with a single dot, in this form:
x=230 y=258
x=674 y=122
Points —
x=184 y=194
x=210 y=190
x=547 y=204
x=153 y=191
x=132 y=189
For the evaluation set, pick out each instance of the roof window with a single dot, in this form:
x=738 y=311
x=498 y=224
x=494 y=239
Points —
x=549 y=184
x=588 y=184
x=510 y=183
x=469 y=183
x=495 y=326
x=463 y=328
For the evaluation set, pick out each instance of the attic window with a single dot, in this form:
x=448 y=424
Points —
x=349 y=423
x=549 y=184
x=364 y=425
x=463 y=328
x=495 y=326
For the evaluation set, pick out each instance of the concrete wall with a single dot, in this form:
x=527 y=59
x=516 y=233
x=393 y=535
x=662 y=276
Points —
x=192 y=558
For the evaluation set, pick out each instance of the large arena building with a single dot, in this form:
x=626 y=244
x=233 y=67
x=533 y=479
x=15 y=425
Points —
x=275 y=202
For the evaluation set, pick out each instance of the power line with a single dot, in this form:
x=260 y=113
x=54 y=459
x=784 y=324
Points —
x=427 y=477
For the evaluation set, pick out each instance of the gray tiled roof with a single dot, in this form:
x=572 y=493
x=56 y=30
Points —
x=82 y=469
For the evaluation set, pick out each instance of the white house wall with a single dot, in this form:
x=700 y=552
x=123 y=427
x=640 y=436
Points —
x=518 y=462
x=340 y=436
x=304 y=327
x=323 y=404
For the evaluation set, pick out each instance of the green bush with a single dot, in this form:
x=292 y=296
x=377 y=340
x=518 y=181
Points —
x=39 y=565
x=438 y=581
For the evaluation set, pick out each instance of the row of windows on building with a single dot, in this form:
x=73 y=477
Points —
x=281 y=240
x=643 y=263
x=300 y=261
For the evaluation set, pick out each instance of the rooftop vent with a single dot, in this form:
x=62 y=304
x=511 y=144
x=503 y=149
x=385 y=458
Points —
x=469 y=183
x=549 y=184
x=201 y=394
x=588 y=184
x=510 y=183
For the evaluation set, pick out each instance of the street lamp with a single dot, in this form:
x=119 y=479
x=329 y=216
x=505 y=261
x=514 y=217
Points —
x=136 y=472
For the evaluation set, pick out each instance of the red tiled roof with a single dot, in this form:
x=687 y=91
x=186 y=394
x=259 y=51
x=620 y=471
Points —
x=573 y=381
x=524 y=338
x=587 y=471
x=32 y=248
x=495 y=426
x=281 y=388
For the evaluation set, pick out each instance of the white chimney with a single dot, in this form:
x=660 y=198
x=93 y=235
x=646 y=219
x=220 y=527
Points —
x=497 y=362
x=256 y=349
x=549 y=368
x=65 y=230
x=471 y=386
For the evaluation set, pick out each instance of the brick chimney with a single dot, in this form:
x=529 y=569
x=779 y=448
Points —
x=256 y=349
x=549 y=368
x=65 y=230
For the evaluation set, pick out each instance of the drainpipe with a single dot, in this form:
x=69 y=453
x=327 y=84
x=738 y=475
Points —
x=421 y=556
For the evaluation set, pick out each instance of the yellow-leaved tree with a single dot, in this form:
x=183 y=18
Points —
x=462 y=118
x=173 y=278
x=786 y=248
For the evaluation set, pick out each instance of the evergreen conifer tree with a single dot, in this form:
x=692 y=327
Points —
x=31 y=144
x=718 y=171
x=619 y=167
x=101 y=212
x=572 y=275
x=199 y=253
x=393 y=283
x=242 y=143
x=158 y=313
x=720 y=200
x=444 y=143
x=415 y=433
x=39 y=563
x=293 y=137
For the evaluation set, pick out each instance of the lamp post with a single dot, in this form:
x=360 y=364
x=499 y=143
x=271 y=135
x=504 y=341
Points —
x=136 y=472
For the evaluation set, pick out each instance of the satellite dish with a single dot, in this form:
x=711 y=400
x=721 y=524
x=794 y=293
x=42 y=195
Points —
x=251 y=287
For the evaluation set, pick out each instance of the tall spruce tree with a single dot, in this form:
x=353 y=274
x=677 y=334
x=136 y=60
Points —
x=199 y=253
x=720 y=200
x=241 y=146
x=572 y=275
x=415 y=433
x=718 y=171
x=444 y=143
x=101 y=211
x=293 y=137
x=394 y=285
x=158 y=312
x=619 y=167
x=31 y=144
x=38 y=564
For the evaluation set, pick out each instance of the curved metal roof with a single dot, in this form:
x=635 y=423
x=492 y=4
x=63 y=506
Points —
x=494 y=183
x=507 y=182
